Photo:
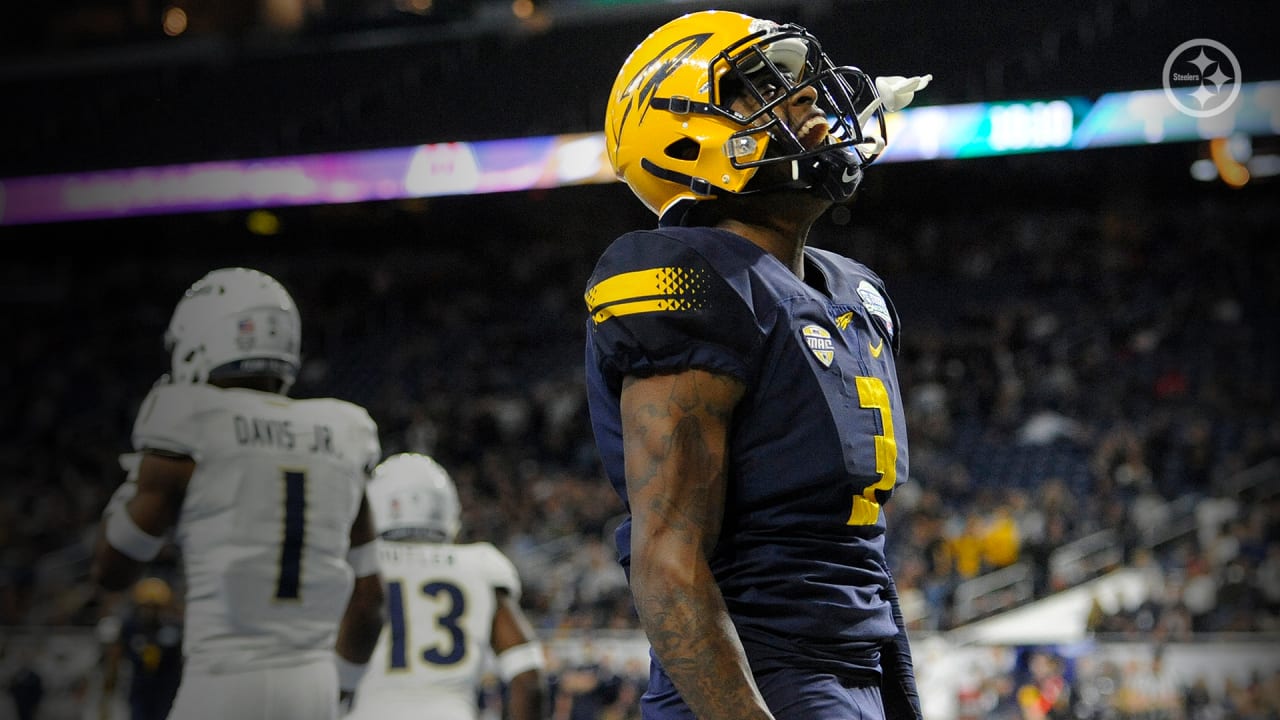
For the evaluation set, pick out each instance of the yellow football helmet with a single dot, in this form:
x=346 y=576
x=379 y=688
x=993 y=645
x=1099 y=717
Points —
x=152 y=591
x=673 y=137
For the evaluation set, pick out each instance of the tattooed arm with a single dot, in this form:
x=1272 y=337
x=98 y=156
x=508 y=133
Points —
x=675 y=438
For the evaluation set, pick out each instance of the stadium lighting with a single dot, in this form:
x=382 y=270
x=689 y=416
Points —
x=924 y=133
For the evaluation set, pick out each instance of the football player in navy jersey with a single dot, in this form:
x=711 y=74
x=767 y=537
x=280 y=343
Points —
x=742 y=386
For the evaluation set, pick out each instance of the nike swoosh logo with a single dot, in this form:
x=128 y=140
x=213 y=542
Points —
x=848 y=176
x=876 y=349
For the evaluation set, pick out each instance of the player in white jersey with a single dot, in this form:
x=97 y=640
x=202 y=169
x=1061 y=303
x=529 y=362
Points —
x=265 y=498
x=449 y=606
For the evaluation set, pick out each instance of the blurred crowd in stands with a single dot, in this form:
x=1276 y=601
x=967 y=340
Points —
x=1066 y=372
x=1129 y=682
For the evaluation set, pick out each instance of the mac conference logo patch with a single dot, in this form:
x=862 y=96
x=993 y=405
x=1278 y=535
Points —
x=819 y=342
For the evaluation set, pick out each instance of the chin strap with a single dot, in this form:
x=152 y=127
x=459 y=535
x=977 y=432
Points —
x=834 y=175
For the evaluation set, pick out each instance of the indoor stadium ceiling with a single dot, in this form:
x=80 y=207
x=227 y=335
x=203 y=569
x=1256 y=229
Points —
x=92 y=85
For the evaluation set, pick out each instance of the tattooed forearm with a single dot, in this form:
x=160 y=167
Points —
x=691 y=633
x=675 y=432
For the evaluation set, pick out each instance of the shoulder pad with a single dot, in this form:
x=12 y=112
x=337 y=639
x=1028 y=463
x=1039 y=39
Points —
x=169 y=418
x=497 y=568
x=672 y=300
x=357 y=431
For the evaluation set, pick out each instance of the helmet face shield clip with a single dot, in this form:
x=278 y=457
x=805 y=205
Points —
x=740 y=146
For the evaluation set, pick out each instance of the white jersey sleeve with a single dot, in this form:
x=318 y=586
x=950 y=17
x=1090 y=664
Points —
x=266 y=521
x=169 y=421
x=500 y=571
x=435 y=646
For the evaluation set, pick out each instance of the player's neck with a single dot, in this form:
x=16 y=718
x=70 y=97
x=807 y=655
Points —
x=778 y=222
x=779 y=236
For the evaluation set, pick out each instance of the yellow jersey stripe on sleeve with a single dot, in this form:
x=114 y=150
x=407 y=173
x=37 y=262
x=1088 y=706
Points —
x=640 y=306
x=662 y=289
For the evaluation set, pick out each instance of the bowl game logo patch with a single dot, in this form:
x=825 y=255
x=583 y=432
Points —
x=874 y=302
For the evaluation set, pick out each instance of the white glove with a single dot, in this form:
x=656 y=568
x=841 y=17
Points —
x=897 y=92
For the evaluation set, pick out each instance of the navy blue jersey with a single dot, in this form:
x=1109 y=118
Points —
x=817 y=442
x=153 y=650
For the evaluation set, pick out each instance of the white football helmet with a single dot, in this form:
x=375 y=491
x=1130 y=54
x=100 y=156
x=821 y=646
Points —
x=233 y=322
x=413 y=497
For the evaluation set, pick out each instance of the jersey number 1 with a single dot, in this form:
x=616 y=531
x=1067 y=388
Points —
x=295 y=517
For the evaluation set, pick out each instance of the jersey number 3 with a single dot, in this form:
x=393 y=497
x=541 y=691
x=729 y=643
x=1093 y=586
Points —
x=873 y=396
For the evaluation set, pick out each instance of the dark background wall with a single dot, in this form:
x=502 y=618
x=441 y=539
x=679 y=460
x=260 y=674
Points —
x=94 y=83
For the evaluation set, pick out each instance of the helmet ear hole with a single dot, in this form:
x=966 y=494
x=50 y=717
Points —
x=683 y=149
